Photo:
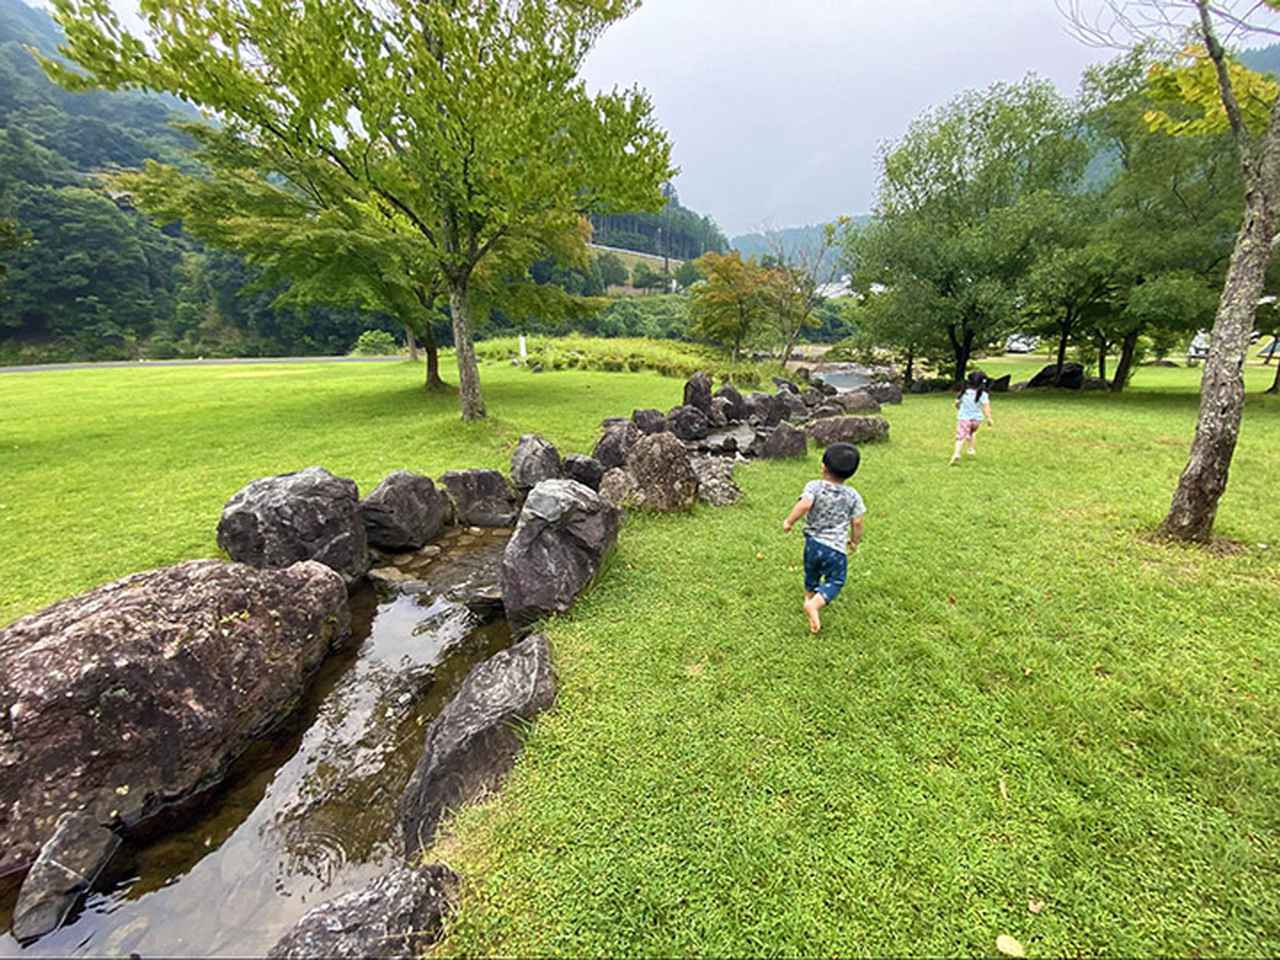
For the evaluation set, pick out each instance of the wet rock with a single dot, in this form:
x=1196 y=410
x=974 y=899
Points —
x=564 y=534
x=649 y=421
x=737 y=409
x=827 y=389
x=398 y=915
x=481 y=498
x=588 y=471
x=766 y=407
x=857 y=401
x=785 y=385
x=688 y=423
x=884 y=392
x=793 y=407
x=779 y=443
x=848 y=430
x=719 y=412
x=812 y=397
x=308 y=515
x=716 y=485
x=1072 y=377
x=405 y=512
x=470 y=747
x=664 y=479
x=534 y=460
x=141 y=692
x=1000 y=384
x=611 y=449
x=697 y=393
x=68 y=864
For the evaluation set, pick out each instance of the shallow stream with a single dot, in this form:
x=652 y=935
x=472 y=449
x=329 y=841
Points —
x=309 y=813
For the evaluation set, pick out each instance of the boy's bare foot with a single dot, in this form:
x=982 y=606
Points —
x=811 y=608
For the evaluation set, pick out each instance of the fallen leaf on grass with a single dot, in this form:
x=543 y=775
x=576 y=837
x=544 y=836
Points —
x=1009 y=946
x=1035 y=906
x=951 y=599
x=759 y=556
x=1004 y=790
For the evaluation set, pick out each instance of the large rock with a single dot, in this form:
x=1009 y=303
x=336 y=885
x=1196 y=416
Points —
x=827 y=410
x=140 y=693
x=588 y=471
x=827 y=389
x=884 y=392
x=848 y=430
x=473 y=743
x=930 y=385
x=783 y=384
x=793 y=407
x=612 y=448
x=782 y=442
x=649 y=421
x=481 y=498
x=719 y=412
x=716 y=485
x=67 y=866
x=564 y=534
x=664 y=479
x=533 y=461
x=812 y=397
x=697 y=393
x=1000 y=384
x=688 y=423
x=766 y=408
x=618 y=487
x=399 y=915
x=1072 y=377
x=856 y=401
x=308 y=515
x=405 y=512
x=737 y=409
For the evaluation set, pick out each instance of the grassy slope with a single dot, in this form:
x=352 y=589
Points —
x=1017 y=699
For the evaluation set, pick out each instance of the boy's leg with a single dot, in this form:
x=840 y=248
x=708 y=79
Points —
x=835 y=566
x=812 y=572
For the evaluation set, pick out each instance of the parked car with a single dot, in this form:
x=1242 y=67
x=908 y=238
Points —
x=1198 y=349
x=1021 y=343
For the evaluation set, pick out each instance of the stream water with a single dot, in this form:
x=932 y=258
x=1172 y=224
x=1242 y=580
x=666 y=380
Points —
x=308 y=813
x=843 y=379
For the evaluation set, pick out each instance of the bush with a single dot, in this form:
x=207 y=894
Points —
x=375 y=343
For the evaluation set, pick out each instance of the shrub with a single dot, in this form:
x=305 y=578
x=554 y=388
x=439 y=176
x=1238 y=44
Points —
x=375 y=343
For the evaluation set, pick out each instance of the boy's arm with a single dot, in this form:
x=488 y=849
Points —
x=799 y=510
x=855 y=532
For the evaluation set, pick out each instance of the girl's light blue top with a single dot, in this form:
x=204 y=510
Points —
x=971 y=405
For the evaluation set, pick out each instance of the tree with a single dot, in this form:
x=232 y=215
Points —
x=687 y=275
x=613 y=272
x=463 y=119
x=798 y=272
x=644 y=277
x=948 y=217
x=11 y=239
x=1221 y=96
x=732 y=303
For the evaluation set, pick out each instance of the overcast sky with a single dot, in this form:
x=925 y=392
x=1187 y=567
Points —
x=776 y=107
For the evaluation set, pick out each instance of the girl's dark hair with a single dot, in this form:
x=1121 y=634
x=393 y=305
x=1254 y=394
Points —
x=977 y=382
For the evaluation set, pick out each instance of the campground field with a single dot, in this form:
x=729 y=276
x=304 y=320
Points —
x=1025 y=716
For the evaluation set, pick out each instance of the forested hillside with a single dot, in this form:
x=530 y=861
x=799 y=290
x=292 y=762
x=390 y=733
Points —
x=94 y=279
x=675 y=232
x=793 y=240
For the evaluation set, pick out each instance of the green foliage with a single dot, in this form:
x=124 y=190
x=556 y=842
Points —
x=1193 y=83
x=375 y=343
x=731 y=306
x=624 y=354
x=644 y=277
x=613 y=272
x=687 y=274
x=674 y=231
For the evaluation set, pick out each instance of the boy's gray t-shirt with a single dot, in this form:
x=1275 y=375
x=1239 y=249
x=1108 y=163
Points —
x=835 y=506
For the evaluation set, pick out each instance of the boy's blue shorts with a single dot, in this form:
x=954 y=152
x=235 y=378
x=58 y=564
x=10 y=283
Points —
x=825 y=569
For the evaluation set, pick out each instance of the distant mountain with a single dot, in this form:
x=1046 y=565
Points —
x=794 y=239
x=1262 y=59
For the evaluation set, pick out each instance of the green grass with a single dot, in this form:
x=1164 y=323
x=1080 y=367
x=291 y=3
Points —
x=1020 y=697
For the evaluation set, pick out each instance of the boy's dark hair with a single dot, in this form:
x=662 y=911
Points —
x=842 y=460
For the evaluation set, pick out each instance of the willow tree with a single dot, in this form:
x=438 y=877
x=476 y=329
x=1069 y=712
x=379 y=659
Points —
x=1218 y=95
x=464 y=119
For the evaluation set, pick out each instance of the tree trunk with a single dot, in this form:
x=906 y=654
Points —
x=1203 y=481
x=433 y=383
x=1102 y=359
x=1128 y=349
x=1064 y=334
x=963 y=350
x=909 y=374
x=468 y=373
x=790 y=347
x=411 y=342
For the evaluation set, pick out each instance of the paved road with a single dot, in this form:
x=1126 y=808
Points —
x=108 y=364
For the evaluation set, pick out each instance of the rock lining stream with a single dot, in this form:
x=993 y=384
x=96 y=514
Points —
x=304 y=815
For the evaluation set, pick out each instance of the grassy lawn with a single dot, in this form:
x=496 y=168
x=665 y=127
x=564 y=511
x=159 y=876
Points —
x=1020 y=700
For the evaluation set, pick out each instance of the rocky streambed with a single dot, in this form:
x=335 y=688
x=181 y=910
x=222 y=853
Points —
x=310 y=811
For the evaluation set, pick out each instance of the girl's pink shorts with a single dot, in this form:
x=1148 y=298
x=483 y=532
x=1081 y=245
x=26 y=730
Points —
x=965 y=429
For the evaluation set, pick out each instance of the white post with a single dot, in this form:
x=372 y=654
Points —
x=524 y=350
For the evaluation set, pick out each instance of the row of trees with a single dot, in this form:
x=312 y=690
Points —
x=1146 y=207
